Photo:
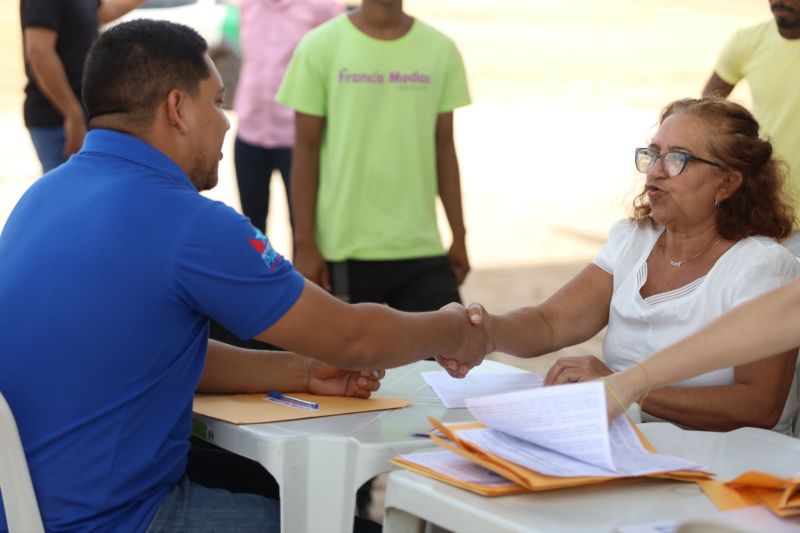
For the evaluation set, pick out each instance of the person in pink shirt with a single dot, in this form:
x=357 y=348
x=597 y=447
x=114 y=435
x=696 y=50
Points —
x=270 y=30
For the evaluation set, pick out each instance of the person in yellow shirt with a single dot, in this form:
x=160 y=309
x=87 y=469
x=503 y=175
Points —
x=768 y=57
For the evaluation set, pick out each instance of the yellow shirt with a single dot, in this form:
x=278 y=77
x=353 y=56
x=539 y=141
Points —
x=771 y=65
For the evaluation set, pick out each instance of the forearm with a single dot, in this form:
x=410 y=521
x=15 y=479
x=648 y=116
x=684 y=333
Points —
x=305 y=185
x=448 y=176
x=113 y=9
x=716 y=86
x=385 y=338
x=52 y=81
x=229 y=369
x=372 y=336
x=723 y=408
x=575 y=313
x=449 y=182
x=523 y=332
x=534 y=331
x=753 y=331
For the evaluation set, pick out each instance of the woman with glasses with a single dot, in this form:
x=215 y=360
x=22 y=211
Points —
x=702 y=239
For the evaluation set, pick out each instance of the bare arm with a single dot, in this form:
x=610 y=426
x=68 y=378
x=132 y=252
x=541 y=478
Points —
x=305 y=183
x=716 y=86
x=573 y=314
x=449 y=182
x=113 y=9
x=370 y=336
x=764 y=326
x=755 y=399
x=51 y=78
x=229 y=369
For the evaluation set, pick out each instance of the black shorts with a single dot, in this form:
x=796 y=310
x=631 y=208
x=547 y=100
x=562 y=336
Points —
x=423 y=284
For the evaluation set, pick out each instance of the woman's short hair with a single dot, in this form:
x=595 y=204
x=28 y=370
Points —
x=132 y=67
x=762 y=203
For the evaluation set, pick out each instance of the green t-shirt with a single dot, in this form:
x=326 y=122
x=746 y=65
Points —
x=771 y=65
x=381 y=99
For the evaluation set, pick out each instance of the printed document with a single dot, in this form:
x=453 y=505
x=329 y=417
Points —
x=563 y=431
x=455 y=466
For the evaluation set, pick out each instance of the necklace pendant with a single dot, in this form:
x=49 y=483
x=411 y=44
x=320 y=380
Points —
x=675 y=264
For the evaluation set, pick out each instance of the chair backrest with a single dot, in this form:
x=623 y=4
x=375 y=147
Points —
x=796 y=390
x=19 y=500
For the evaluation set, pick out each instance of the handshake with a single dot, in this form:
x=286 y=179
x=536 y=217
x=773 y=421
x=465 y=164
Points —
x=476 y=339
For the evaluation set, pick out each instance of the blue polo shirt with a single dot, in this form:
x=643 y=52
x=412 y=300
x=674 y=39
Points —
x=110 y=267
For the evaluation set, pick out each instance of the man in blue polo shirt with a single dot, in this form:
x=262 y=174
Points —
x=106 y=303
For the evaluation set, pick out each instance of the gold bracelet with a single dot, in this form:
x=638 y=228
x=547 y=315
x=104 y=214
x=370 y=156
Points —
x=649 y=385
x=614 y=394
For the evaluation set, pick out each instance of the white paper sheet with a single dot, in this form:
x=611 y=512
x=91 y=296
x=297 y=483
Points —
x=631 y=458
x=562 y=431
x=456 y=467
x=568 y=419
x=452 y=392
x=532 y=456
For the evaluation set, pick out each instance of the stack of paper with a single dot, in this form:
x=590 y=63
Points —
x=548 y=438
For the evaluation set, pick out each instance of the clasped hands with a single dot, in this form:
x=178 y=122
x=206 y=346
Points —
x=474 y=342
x=479 y=337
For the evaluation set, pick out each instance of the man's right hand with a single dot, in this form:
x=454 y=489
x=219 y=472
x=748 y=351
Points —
x=74 y=132
x=475 y=339
x=309 y=262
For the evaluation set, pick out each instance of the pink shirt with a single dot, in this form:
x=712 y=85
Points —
x=270 y=31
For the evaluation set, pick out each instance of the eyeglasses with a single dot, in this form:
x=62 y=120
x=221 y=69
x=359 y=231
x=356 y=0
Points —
x=672 y=162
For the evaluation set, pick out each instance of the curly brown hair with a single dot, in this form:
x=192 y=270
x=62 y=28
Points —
x=762 y=205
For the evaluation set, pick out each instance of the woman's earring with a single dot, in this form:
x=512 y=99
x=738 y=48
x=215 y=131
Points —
x=716 y=203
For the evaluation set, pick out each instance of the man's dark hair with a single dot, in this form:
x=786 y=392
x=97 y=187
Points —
x=132 y=66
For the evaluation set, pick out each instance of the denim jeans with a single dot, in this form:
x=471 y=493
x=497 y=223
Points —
x=192 y=508
x=49 y=144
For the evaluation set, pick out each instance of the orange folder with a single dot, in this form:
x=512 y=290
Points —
x=521 y=479
x=779 y=495
x=256 y=409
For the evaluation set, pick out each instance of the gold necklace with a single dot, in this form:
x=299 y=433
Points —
x=677 y=264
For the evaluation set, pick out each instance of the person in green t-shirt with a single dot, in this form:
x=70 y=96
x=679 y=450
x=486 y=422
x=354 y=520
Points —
x=374 y=93
x=768 y=56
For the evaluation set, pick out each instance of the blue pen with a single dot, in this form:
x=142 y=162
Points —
x=281 y=397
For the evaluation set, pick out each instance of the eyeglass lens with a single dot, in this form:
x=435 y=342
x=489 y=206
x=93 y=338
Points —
x=673 y=162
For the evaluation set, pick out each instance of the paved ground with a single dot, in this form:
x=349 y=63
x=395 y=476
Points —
x=563 y=92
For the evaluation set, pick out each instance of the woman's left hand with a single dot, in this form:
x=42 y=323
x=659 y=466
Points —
x=576 y=369
x=322 y=378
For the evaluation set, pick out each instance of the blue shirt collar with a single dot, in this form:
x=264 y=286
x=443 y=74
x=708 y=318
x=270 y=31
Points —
x=124 y=146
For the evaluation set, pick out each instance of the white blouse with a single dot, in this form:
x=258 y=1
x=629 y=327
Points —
x=639 y=327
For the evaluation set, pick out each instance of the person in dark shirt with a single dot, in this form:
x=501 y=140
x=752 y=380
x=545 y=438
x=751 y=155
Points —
x=56 y=36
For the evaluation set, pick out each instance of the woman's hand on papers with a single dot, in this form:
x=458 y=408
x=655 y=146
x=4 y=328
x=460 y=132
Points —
x=322 y=378
x=576 y=369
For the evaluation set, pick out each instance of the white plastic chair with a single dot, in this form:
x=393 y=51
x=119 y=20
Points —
x=19 y=500
x=796 y=390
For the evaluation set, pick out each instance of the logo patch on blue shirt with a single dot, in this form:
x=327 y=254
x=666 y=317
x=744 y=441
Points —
x=260 y=242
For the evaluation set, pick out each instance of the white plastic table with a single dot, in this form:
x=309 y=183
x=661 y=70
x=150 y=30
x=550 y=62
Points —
x=320 y=463
x=413 y=500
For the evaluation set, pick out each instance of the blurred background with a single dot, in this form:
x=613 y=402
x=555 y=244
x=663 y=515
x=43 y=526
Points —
x=562 y=94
